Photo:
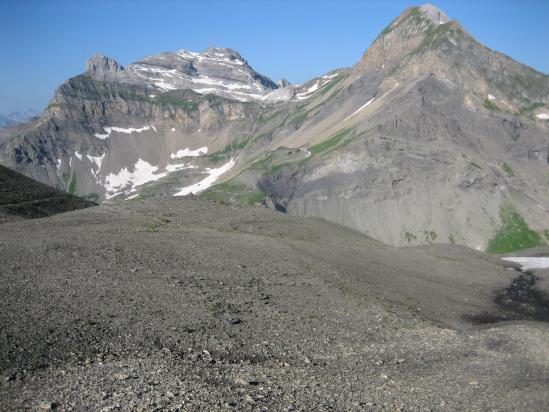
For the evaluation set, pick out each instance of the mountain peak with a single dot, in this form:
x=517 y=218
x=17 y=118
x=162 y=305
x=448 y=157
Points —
x=99 y=63
x=224 y=53
x=411 y=30
x=433 y=13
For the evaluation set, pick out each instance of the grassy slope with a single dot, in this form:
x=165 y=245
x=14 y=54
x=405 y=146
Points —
x=514 y=233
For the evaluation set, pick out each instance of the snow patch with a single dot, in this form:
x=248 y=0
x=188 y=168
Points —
x=128 y=130
x=530 y=262
x=307 y=152
x=97 y=160
x=189 y=153
x=58 y=162
x=78 y=155
x=490 y=97
x=543 y=116
x=360 y=109
x=125 y=180
x=213 y=175
x=179 y=166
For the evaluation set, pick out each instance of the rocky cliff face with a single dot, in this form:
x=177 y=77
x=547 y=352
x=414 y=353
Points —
x=431 y=137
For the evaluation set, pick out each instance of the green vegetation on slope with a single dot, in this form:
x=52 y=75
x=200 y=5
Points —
x=172 y=100
x=532 y=107
x=234 y=192
x=331 y=142
x=514 y=233
x=72 y=186
x=489 y=105
x=507 y=169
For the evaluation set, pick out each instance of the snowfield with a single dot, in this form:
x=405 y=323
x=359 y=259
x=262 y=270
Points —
x=128 y=130
x=189 y=153
x=213 y=175
x=360 y=109
x=530 y=262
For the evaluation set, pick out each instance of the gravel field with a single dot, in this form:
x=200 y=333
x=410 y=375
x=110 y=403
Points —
x=187 y=304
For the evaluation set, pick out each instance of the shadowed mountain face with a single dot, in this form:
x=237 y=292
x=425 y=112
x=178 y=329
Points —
x=431 y=137
x=24 y=198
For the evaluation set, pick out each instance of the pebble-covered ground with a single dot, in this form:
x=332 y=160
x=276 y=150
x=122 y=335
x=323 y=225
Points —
x=186 y=304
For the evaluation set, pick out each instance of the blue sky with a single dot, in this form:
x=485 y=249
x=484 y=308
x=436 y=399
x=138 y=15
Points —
x=45 y=42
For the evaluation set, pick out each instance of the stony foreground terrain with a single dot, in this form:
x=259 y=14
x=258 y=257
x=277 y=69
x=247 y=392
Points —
x=187 y=304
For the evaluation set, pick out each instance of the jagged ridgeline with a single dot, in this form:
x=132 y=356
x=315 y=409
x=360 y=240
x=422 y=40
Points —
x=430 y=138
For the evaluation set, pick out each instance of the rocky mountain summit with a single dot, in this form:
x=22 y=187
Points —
x=430 y=138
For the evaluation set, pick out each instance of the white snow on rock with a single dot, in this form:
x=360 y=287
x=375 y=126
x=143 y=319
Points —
x=543 y=116
x=319 y=84
x=78 y=155
x=179 y=166
x=125 y=180
x=307 y=151
x=132 y=196
x=96 y=160
x=360 y=109
x=58 y=162
x=213 y=175
x=129 y=130
x=490 y=97
x=530 y=262
x=189 y=153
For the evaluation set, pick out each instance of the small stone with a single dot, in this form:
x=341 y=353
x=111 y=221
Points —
x=45 y=405
x=120 y=376
x=235 y=321
x=249 y=399
x=240 y=381
x=307 y=360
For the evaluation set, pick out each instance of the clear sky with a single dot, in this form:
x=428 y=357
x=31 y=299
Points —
x=44 y=42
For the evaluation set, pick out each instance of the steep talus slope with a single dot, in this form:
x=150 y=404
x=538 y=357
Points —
x=431 y=137
x=24 y=198
x=163 y=304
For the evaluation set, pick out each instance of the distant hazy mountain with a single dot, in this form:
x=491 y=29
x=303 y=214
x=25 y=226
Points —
x=430 y=137
x=17 y=117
